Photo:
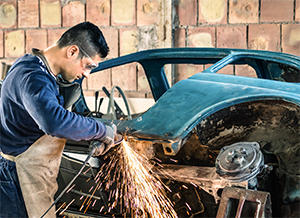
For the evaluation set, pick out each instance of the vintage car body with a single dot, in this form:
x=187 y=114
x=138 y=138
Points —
x=224 y=90
x=198 y=118
x=195 y=122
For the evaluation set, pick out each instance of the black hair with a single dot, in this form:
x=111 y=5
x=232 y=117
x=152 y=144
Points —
x=87 y=36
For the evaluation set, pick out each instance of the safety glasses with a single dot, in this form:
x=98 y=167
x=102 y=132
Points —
x=89 y=67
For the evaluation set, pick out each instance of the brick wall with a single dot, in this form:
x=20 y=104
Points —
x=249 y=24
x=132 y=25
x=126 y=24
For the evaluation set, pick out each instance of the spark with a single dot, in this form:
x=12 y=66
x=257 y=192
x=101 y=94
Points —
x=157 y=159
x=145 y=191
x=188 y=206
x=131 y=184
x=70 y=188
x=194 y=184
x=60 y=207
x=173 y=160
x=87 y=170
x=101 y=209
x=66 y=207
x=185 y=187
x=160 y=165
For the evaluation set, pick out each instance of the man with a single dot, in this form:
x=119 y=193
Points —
x=35 y=125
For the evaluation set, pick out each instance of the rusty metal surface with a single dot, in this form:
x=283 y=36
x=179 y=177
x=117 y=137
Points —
x=204 y=177
x=262 y=206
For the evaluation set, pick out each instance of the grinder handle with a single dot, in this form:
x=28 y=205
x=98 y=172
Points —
x=100 y=145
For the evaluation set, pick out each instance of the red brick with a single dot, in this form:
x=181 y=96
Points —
x=36 y=39
x=88 y=93
x=276 y=10
x=135 y=95
x=111 y=37
x=264 y=37
x=147 y=12
x=297 y=11
x=14 y=43
x=179 y=38
x=98 y=12
x=54 y=35
x=125 y=77
x=116 y=94
x=84 y=83
x=245 y=70
x=201 y=37
x=184 y=71
x=226 y=70
x=149 y=95
x=99 y=79
x=143 y=84
x=28 y=11
x=1 y=44
x=129 y=41
x=231 y=37
x=212 y=11
x=73 y=13
x=243 y=11
x=123 y=12
x=187 y=12
x=50 y=13
x=291 y=39
x=8 y=15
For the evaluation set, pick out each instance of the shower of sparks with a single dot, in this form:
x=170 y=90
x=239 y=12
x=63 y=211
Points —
x=66 y=207
x=132 y=186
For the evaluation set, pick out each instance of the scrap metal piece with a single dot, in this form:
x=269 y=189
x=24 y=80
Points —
x=204 y=177
x=250 y=203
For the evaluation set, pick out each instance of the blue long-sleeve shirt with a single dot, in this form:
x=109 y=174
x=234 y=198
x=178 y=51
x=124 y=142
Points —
x=30 y=106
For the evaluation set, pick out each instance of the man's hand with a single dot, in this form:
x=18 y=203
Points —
x=107 y=142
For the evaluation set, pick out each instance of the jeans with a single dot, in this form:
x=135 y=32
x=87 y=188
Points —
x=11 y=199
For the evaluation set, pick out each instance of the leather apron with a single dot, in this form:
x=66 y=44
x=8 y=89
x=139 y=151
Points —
x=37 y=170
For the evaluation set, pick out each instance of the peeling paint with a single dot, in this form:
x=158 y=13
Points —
x=123 y=11
x=201 y=40
x=48 y=9
x=212 y=11
x=294 y=36
x=131 y=39
x=259 y=43
x=147 y=38
x=8 y=15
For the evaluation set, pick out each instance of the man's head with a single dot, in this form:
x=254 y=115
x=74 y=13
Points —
x=87 y=36
x=83 y=45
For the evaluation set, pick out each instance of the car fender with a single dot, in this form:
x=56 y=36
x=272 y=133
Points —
x=190 y=101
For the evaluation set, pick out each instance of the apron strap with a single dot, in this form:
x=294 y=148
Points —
x=70 y=91
x=8 y=157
